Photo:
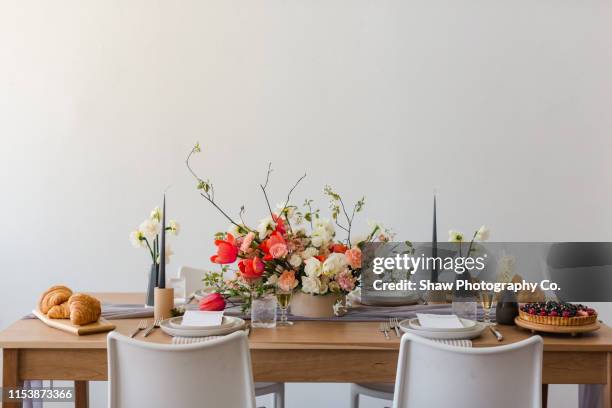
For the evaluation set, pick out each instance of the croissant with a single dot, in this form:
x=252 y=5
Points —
x=59 y=311
x=55 y=295
x=84 y=309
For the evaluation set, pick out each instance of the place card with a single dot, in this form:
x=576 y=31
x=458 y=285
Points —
x=433 y=321
x=202 y=318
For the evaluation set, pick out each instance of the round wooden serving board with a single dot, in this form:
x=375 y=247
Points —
x=549 y=328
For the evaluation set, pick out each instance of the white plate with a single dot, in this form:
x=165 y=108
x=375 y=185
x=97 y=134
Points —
x=177 y=323
x=456 y=335
x=238 y=324
x=467 y=325
x=386 y=299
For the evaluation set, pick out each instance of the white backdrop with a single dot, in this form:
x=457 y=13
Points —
x=503 y=107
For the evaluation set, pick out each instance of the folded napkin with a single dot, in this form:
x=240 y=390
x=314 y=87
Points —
x=434 y=321
x=202 y=318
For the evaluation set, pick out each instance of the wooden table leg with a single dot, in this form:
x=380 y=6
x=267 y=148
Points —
x=10 y=373
x=608 y=392
x=544 y=395
x=81 y=394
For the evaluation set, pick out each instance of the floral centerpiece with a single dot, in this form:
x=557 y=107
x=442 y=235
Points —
x=147 y=236
x=291 y=248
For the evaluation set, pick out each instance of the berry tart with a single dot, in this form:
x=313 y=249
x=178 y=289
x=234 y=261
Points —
x=557 y=314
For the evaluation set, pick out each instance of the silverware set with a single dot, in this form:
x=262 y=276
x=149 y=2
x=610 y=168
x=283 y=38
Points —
x=384 y=328
x=394 y=323
x=391 y=324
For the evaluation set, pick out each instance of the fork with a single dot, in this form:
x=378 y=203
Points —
x=155 y=325
x=394 y=324
x=141 y=326
x=383 y=328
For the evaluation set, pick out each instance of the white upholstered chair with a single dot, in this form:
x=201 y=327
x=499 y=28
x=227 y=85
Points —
x=375 y=390
x=193 y=281
x=431 y=374
x=211 y=374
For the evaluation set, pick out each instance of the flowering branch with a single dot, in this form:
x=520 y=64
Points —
x=263 y=189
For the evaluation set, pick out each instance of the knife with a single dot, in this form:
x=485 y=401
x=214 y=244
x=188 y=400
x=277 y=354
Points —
x=496 y=333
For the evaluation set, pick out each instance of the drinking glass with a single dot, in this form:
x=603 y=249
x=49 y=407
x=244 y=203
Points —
x=263 y=312
x=283 y=298
x=487 y=300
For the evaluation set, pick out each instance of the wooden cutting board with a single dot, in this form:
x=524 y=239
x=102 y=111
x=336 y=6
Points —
x=102 y=325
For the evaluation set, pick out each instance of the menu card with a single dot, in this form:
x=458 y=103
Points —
x=433 y=321
x=202 y=318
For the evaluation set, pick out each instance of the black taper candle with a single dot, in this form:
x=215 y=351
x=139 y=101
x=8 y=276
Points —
x=434 y=243
x=162 y=250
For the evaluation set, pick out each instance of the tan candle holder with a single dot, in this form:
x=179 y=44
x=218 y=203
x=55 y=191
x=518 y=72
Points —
x=163 y=303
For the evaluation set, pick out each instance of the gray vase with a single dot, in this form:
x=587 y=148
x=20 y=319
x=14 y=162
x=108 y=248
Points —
x=153 y=275
x=506 y=309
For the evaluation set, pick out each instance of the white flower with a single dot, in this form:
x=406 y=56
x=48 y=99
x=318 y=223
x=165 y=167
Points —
x=175 y=227
x=150 y=228
x=310 y=252
x=156 y=214
x=455 y=236
x=483 y=233
x=298 y=229
x=356 y=240
x=289 y=209
x=310 y=285
x=272 y=280
x=321 y=237
x=324 y=285
x=295 y=260
x=265 y=226
x=236 y=231
x=334 y=264
x=137 y=239
x=169 y=253
x=327 y=225
x=313 y=267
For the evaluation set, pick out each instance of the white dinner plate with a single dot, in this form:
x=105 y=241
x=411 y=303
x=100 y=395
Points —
x=238 y=324
x=177 y=323
x=444 y=335
x=467 y=326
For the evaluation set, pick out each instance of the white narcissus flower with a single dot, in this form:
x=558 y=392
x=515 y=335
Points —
x=174 y=226
x=156 y=214
x=310 y=252
x=334 y=264
x=483 y=233
x=311 y=285
x=289 y=210
x=265 y=226
x=455 y=236
x=137 y=239
x=295 y=260
x=313 y=267
x=150 y=228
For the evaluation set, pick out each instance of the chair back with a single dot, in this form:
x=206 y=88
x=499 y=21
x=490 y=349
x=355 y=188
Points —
x=193 y=278
x=212 y=374
x=431 y=374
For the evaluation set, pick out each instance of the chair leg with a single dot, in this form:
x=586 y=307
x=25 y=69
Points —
x=279 y=398
x=354 y=397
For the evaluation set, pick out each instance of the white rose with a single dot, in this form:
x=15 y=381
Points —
x=265 y=226
x=295 y=260
x=310 y=285
x=482 y=234
x=310 y=252
x=334 y=264
x=150 y=228
x=313 y=267
x=136 y=238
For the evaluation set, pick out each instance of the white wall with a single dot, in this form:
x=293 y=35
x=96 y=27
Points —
x=502 y=106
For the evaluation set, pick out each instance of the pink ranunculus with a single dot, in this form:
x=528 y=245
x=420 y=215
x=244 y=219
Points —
x=346 y=280
x=278 y=250
x=353 y=257
x=247 y=241
x=287 y=281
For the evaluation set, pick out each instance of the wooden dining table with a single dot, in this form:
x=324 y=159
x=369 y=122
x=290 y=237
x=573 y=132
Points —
x=309 y=351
